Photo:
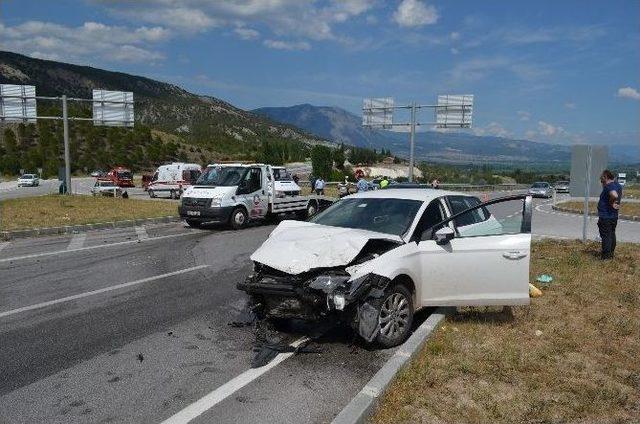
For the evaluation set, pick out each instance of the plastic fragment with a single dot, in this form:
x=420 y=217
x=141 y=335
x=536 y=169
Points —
x=534 y=291
x=544 y=278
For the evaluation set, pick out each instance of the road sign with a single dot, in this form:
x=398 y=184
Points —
x=17 y=103
x=454 y=111
x=378 y=112
x=113 y=108
x=587 y=163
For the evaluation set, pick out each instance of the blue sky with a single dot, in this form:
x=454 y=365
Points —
x=555 y=71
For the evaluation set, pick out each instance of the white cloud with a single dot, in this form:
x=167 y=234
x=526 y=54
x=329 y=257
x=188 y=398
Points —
x=287 y=45
x=524 y=115
x=454 y=36
x=570 y=105
x=454 y=50
x=493 y=129
x=548 y=129
x=305 y=19
x=629 y=93
x=87 y=42
x=413 y=13
x=247 y=33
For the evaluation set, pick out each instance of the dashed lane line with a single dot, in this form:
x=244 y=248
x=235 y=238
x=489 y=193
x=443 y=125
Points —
x=99 y=291
x=221 y=393
x=77 y=241
x=141 y=232
x=101 y=246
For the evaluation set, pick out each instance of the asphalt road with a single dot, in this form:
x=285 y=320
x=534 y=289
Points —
x=131 y=325
x=78 y=360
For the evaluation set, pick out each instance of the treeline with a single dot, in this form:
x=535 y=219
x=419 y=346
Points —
x=485 y=174
x=329 y=163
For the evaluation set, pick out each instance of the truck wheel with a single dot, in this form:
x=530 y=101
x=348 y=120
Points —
x=312 y=208
x=193 y=224
x=395 y=316
x=238 y=218
x=151 y=194
x=172 y=194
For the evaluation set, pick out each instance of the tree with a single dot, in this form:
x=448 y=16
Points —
x=321 y=162
x=338 y=157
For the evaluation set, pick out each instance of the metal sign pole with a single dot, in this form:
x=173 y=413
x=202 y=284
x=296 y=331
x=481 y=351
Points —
x=413 y=140
x=587 y=193
x=67 y=158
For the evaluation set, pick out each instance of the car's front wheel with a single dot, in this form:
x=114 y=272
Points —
x=395 y=317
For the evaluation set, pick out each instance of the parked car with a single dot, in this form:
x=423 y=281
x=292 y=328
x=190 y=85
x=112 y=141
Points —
x=562 y=187
x=28 y=180
x=541 y=189
x=106 y=188
x=373 y=258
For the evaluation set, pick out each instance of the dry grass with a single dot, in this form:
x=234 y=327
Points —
x=56 y=211
x=632 y=192
x=331 y=190
x=626 y=208
x=489 y=366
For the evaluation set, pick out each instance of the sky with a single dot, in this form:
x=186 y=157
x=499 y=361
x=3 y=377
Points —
x=555 y=71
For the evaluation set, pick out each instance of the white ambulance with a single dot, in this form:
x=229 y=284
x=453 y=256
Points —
x=171 y=180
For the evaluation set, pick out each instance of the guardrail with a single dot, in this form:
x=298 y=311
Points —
x=446 y=186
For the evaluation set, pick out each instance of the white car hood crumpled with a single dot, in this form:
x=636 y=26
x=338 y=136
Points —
x=295 y=247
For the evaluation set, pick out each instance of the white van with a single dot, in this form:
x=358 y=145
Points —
x=173 y=179
x=236 y=193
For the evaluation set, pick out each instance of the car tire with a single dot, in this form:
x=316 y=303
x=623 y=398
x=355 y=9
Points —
x=395 y=316
x=193 y=224
x=172 y=194
x=151 y=194
x=312 y=208
x=238 y=218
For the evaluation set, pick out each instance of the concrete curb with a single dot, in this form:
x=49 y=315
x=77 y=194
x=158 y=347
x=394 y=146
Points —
x=577 y=212
x=71 y=229
x=363 y=404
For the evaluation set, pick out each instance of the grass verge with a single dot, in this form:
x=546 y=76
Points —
x=627 y=208
x=57 y=211
x=572 y=356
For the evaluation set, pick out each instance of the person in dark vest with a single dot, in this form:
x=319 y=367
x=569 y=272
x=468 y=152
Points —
x=608 y=207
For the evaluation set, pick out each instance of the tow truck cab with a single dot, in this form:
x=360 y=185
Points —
x=237 y=193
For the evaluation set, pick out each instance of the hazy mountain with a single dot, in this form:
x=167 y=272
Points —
x=340 y=125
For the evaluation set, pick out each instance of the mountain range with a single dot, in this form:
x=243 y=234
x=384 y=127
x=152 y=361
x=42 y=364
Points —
x=341 y=126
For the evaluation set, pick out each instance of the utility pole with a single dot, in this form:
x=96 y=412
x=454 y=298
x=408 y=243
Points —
x=412 y=138
x=67 y=156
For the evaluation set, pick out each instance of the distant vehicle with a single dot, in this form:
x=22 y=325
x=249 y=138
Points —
x=106 y=188
x=173 y=179
x=98 y=173
x=121 y=176
x=28 y=180
x=562 y=187
x=541 y=189
x=622 y=178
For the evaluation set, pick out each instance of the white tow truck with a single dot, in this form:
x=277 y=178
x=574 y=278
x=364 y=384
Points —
x=236 y=193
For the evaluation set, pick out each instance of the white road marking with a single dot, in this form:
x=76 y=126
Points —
x=141 y=232
x=230 y=387
x=99 y=291
x=119 y=243
x=77 y=241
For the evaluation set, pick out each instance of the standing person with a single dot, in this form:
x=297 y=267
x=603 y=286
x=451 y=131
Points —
x=295 y=178
x=608 y=206
x=320 y=186
x=435 y=183
x=362 y=185
x=384 y=183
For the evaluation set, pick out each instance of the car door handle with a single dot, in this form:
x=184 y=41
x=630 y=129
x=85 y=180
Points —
x=514 y=255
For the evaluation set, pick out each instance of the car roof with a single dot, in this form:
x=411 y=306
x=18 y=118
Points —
x=422 y=194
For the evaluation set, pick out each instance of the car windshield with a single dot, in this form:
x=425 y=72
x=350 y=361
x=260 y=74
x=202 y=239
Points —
x=107 y=184
x=390 y=216
x=226 y=176
x=124 y=175
x=27 y=176
x=281 y=174
x=540 y=185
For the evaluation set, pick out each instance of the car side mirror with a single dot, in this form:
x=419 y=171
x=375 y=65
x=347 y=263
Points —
x=444 y=235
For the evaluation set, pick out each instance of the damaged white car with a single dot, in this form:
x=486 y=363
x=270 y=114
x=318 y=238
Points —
x=372 y=259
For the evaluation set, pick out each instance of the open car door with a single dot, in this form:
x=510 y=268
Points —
x=478 y=256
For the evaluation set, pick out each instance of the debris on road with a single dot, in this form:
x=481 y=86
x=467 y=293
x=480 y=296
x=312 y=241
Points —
x=534 y=291
x=544 y=279
x=140 y=357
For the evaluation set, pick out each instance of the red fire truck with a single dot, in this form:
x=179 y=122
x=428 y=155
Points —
x=121 y=176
